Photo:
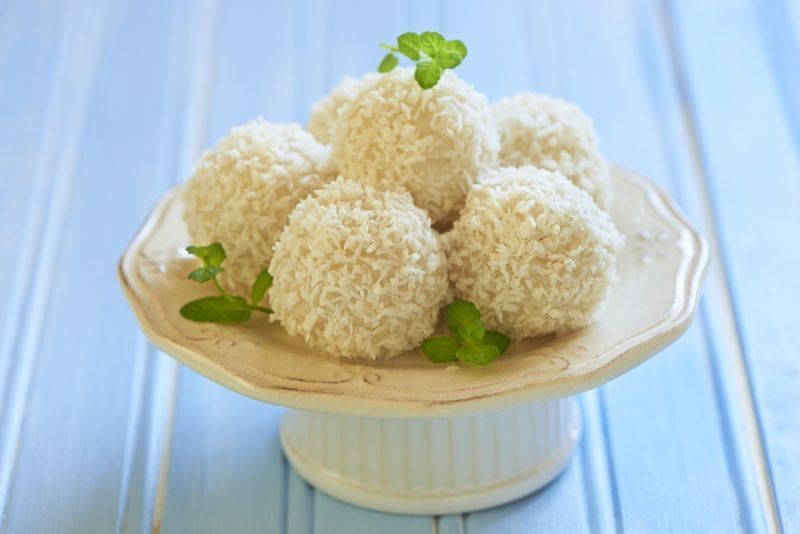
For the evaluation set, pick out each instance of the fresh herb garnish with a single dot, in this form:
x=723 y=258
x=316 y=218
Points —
x=432 y=53
x=224 y=308
x=470 y=342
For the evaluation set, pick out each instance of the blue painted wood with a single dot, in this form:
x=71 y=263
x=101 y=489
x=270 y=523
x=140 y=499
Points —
x=299 y=505
x=30 y=123
x=98 y=432
x=734 y=398
x=332 y=516
x=29 y=58
x=752 y=166
x=226 y=470
x=659 y=416
x=64 y=433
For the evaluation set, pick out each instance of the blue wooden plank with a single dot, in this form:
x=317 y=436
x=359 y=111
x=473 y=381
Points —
x=734 y=398
x=757 y=218
x=226 y=471
x=663 y=425
x=299 y=505
x=30 y=123
x=332 y=516
x=152 y=400
x=544 y=511
x=147 y=441
x=783 y=51
x=77 y=339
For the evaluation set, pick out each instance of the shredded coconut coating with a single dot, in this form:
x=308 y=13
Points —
x=433 y=143
x=242 y=191
x=555 y=135
x=358 y=272
x=325 y=111
x=533 y=252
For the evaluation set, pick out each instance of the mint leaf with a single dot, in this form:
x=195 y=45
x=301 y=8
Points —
x=431 y=43
x=497 y=339
x=388 y=63
x=461 y=313
x=212 y=255
x=451 y=54
x=204 y=274
x=220 y=309
x=427 y=74
x=478 y=353
x=409 y=45
x=472 y=332
x=431 y=52
x=260 y=286
x=441 y=349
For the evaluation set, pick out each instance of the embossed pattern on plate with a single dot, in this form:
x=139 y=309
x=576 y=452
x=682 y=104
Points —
x=660 y=270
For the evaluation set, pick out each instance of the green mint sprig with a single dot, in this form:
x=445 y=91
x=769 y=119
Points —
x=432 y=53
x=224 y=308
x=470 y=342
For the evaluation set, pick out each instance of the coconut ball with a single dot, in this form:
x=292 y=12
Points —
x=533 y=252
x=242 y=191
x=358 y=272
x=433 y=143
x=555 y=135
x=325 y=111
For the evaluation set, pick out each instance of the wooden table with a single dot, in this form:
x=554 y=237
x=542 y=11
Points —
x=103 y=105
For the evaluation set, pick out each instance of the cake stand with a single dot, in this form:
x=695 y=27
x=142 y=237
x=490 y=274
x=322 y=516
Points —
x=409 y=436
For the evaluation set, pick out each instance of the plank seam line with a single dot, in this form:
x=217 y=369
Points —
x=606 y=433
x=82 y=52
x=197 y=114
x=166 y=451
x=136 y=402
x=597 y=481
x=718 y=262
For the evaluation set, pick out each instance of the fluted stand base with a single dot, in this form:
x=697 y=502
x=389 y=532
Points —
x=433 y=466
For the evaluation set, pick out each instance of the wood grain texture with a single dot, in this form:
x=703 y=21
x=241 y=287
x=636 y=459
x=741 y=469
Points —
x=756 y=222
x=69 y=399
x=105 y=104
x=661 y=414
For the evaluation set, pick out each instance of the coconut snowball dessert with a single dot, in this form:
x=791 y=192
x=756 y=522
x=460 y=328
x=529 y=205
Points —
x=533 y=252
x=324 y=113
x=357 y=266
x=433 y=143
x=358 y=272
x=242 y=191
x=555 y=135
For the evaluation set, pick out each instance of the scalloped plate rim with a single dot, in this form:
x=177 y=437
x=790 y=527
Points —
x=640 y=346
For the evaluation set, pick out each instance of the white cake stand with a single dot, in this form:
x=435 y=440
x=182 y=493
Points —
x=406 y=435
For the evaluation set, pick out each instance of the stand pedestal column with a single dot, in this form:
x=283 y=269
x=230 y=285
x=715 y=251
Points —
x=433 y=466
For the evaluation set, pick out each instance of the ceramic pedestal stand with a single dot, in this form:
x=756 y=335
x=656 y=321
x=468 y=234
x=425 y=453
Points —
x=406 y=435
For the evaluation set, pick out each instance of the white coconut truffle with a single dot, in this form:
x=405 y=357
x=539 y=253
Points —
x=432 y=143
x=555 y=135
x=243 y=190
x=324 y=113
x=358 y=272
x=533 y=252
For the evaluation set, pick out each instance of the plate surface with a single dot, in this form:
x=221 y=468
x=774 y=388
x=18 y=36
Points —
x=660 y=270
